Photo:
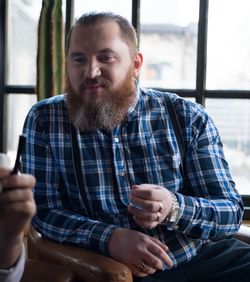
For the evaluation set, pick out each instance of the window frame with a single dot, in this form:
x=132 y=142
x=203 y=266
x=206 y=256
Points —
x=200 y=93
x=2 y=70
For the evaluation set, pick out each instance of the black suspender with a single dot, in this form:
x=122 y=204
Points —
x=177 y=129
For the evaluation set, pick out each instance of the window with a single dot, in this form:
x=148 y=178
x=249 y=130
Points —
x=228 y=62
x=21 y=41
x=174 y=31
x=22 y=23
x=122 y=8
x=232 y=117
x=203 y=53
x=228 y=57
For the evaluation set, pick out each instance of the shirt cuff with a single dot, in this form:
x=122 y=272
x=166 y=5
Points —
x=99 y=237
x=14 y=273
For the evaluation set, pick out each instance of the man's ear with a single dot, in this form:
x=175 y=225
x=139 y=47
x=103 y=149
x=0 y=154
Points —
x=137 y=64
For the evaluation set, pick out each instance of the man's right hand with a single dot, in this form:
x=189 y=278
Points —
x=17 y=207
x=143 y=254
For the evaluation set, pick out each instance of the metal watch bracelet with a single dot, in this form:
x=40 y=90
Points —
x=172 y=215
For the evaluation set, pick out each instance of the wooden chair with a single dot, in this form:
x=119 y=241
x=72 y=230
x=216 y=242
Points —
x=40 y=271
x=85 y=264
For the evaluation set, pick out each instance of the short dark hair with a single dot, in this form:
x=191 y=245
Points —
x=128 y=32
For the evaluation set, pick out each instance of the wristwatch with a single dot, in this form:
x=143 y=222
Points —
x=174 y=212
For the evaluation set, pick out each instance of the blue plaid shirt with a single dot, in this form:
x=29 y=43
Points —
x=83 y=195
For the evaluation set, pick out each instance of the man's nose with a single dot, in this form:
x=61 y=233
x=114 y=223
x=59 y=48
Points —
x=93 y=69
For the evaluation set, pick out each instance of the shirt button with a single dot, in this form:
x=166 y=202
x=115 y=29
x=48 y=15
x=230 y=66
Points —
x=176 y=227
x=122 y=173
x=116 y=140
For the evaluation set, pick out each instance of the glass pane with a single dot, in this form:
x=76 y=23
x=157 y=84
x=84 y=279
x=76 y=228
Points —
x=23 y=18
x=169 y=43
x=228 y=51
x=232 y=118
x=121 y=7
x=17 y=107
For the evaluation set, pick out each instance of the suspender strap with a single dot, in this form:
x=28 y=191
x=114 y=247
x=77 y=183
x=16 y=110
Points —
x=177 y=129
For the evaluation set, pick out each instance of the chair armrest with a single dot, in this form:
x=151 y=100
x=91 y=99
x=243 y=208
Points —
x=244 y=233
x=85 y=264
x=44 y=271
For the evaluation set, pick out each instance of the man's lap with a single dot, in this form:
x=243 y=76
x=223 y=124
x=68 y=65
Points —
x=225 y=260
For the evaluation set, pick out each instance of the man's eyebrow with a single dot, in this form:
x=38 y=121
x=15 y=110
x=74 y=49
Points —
x=102 y=51
x=76 y=54
x=106 y=50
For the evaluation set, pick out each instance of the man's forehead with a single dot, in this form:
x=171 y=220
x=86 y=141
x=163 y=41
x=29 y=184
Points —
x=109 y=27
x=105 y=34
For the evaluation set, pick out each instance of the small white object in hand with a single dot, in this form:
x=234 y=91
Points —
x=4 y=162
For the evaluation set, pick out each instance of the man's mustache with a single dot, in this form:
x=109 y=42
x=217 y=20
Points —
x=92 y=82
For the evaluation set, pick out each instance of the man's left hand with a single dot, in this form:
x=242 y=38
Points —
x=150 y=204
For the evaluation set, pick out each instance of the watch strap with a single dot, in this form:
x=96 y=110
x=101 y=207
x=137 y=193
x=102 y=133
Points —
x=172 y=215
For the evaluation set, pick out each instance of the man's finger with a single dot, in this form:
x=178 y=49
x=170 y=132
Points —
x=161 y=252
x=20 y=181
x=14 y=196
x=147 y=191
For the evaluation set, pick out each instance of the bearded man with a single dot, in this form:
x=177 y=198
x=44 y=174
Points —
x=108 y=166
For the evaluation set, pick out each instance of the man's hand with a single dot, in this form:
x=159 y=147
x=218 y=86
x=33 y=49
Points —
x=143 y=254
x=150 y=204
x=17 y=207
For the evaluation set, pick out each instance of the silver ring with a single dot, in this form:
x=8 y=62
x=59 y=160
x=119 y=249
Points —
x=142 y=264
x=157 y=216
x=160 y=207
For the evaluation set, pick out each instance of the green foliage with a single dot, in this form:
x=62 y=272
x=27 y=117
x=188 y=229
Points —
x=50 y=55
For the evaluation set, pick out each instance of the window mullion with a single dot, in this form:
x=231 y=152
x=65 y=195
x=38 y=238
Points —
x=2 y=70
x=202 y=52
x=136 y=17
x=69 y=15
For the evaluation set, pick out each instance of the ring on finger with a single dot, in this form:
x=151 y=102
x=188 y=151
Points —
x=158 y=214
x=160 y=207
x=142 y=264
x=143 y=267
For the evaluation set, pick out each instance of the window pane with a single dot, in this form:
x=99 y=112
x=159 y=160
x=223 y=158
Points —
x=17 y=107
x=169 y=43
x=121 y=7
x=232 y=118
x=23 y=18
x=228 y=57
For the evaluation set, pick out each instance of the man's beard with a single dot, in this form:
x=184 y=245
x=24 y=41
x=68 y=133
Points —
x=104 y=112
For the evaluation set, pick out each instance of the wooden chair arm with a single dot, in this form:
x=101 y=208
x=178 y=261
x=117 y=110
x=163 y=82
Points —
x=85 y=264
x=44 y=271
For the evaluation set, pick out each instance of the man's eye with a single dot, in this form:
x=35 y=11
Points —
x=106 y=58
x=78 y=60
